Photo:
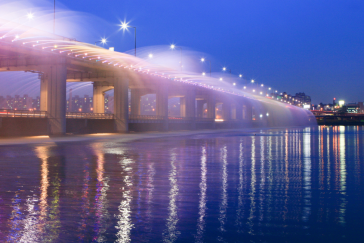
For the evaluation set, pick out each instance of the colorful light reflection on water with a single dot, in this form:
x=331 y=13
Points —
x=275 y=186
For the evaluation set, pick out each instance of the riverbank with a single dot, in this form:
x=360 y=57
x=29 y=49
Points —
x=113 y=136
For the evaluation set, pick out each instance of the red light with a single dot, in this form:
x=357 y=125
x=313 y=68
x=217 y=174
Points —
x=334 y=98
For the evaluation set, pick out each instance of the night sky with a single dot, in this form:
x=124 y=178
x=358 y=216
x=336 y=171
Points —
x=309 y=46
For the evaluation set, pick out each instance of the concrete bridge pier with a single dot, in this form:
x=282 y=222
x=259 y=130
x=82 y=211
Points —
x=211 y=108
x=162 y=104
x=239 y=110
x=189 y=106
x=226 y=111
x=121 y=104
x=53 y=95
x=136 y=95
x=199 y=108
x=99 y=97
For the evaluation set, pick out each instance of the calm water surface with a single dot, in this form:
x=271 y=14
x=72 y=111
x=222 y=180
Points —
x=298 y=185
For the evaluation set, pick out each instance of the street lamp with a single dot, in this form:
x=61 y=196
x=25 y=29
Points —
x=103 y=41
x=125 y=26
x=174 y=47
x=30 y=15
x=150 y=55
x=203 y=60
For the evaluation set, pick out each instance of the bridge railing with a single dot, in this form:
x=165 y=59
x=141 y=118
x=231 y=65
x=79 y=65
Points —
x=81 y=115
x=145 y=117
x=204 y=119
x=23 y=113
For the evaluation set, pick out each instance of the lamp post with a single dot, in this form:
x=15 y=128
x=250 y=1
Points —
x=103 y=41
x=203 y=60
x=125 y=26
x=174 y=47
x=54 y=17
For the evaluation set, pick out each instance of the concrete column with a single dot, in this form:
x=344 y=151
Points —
x=249 y=112
x=99 y=97
x=135 y=101
x=44 y=91
x=183 y=106
x=53 y=95
x=211 y=106
x=121 y=103
x=190 y=101
x=162 y=103
x=200 y=104
x=239 y=110
x=226 y=111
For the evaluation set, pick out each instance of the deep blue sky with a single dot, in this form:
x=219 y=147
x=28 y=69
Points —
x=310 y=46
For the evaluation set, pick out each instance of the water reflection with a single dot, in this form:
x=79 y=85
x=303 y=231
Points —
x=172 y=233
x=124 y=224
x=202 y=201
x=275 y=186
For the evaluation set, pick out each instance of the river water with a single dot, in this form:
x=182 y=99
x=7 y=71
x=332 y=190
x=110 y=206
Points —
x=282 y=185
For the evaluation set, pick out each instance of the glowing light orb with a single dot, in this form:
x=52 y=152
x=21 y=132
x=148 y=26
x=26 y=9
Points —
x=30 y=15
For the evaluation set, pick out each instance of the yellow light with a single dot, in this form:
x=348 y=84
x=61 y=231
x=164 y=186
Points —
x=224 y=68
x=150 y=55
x=202 y=59
x=103 y=40
x=253 y=90
x=55 y=46
x=262 y=85
x=244 y=87
x=234 y=84
x=203 y=74
x=173 y=46
x=252 y=80
x=240 y=76
x=220 y=79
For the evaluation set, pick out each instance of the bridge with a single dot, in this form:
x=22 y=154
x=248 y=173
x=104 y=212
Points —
x=59 y=60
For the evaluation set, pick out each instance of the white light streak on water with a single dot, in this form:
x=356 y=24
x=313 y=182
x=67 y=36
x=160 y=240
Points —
x=252 y=189
x=125 y=225
x=202 y=202
x=306 y=174
x=172 y=233
x=224 y=195
x=342 y=175
x=240 y=209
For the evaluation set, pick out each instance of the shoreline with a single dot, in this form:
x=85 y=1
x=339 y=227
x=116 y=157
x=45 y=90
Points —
x=125 y=137
x=121 y=137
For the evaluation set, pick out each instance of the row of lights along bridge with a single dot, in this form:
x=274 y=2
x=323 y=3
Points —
x=125 y=26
